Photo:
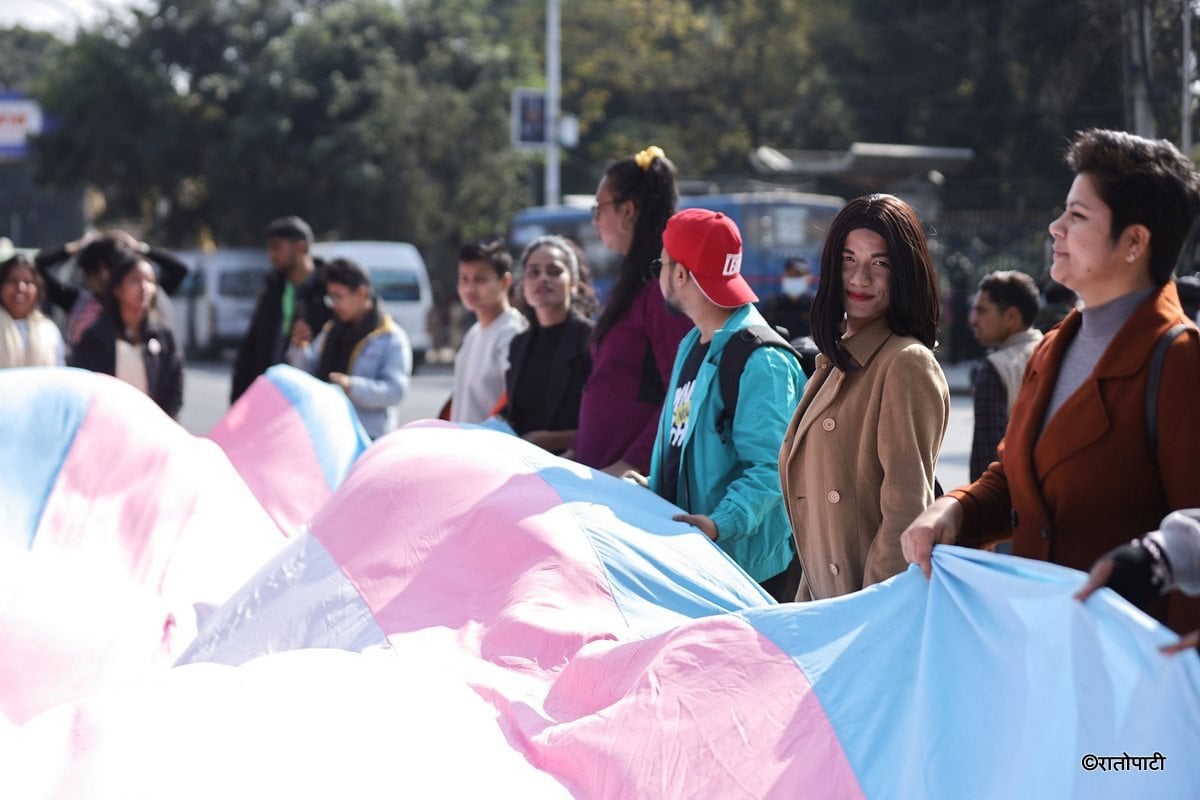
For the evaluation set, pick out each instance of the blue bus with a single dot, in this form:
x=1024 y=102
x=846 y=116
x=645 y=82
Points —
x=775 y=226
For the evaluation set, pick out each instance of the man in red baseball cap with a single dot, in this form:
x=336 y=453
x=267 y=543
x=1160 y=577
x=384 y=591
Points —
x=721 y=465
x=708 y=245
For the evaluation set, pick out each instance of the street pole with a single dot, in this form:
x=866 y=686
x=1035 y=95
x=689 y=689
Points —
x=553 y=76
x=1185 y=121
x=1137 y=77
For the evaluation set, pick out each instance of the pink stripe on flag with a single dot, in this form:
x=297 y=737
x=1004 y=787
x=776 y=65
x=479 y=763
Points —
x=271 y=449
x=435 y=534
x=711 y=709
x=143 y=524
x=126 y=483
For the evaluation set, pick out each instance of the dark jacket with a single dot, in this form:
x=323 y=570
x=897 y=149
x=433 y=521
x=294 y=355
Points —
x=566 y=374
x=97 y=351
x=265 y=344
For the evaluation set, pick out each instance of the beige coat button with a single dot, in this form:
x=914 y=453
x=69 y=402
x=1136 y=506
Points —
x=835 y=497
x=828 y=423
x=833 y=570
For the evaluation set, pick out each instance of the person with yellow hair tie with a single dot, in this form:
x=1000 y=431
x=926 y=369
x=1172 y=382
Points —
x=634 y=343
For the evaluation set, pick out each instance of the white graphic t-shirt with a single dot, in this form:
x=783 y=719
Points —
x=681 y=417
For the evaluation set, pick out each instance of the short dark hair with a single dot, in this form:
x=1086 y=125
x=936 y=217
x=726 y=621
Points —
x=489 y=251
x=913 y=308
x=799 y=264
x=291 y=228
x=1143 y=182
x=99 y=253
x=345 y=272
x=1012 y=289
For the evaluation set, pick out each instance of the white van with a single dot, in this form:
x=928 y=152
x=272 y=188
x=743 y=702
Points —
x=401 y=282
x=214 y=304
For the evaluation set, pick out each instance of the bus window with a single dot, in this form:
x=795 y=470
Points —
x=575 y=224
x=775 y=226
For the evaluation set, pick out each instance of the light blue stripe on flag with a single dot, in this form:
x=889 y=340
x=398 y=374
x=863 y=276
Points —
x=332 y=423
x=991 y=681
x=43 y=408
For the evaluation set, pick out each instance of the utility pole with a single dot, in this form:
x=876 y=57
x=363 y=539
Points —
x=553 y=78
x=1185 y=118
x=1139 y=109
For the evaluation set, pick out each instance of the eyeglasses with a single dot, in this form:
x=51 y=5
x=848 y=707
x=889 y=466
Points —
x=656 y=267
x=596 y=208
x=332 y=300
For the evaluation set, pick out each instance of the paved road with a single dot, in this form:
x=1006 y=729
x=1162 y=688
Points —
x=206 y=399
x=206 y=394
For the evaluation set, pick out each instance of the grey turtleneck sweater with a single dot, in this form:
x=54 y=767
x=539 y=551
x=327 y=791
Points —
x=1099 y=327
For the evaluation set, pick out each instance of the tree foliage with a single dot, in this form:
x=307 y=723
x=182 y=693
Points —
x=367 y=121
x=26 y=54
x=390 y=119
x=708 y=81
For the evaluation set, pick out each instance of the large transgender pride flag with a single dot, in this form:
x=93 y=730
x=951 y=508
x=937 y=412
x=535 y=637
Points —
x=292 y=438
x=469 y=615
x=119 y=531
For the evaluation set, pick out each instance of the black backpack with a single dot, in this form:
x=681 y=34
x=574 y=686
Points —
x=1154 y=379
x=733 y=361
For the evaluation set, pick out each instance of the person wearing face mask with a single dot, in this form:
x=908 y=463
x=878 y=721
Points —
x=791 y=308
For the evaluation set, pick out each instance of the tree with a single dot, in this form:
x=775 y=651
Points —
x=390 y=119
x=26 y=55
x=369 y=122
x=708 y=81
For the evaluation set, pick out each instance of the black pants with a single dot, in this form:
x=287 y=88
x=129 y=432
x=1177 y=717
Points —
x=783 y=587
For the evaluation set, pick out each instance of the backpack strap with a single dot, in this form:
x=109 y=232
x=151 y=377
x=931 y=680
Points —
x=733 y=360
x=1152 y=382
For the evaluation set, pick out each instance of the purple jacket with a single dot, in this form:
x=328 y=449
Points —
x=630 y=371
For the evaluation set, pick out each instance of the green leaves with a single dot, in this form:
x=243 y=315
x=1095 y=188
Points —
x=368 y=121
x=389 y=119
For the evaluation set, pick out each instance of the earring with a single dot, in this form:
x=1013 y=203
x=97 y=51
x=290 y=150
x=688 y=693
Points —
x=1132 y=255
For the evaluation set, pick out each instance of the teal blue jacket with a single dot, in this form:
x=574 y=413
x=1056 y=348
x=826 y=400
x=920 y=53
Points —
x=736 y=481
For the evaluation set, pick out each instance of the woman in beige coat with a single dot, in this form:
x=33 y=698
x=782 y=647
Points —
x=857 y=461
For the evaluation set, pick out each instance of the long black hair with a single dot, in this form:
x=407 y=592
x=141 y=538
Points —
x=652 y=190
x=913 y=307
x=583 y=296
x=122 y=262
